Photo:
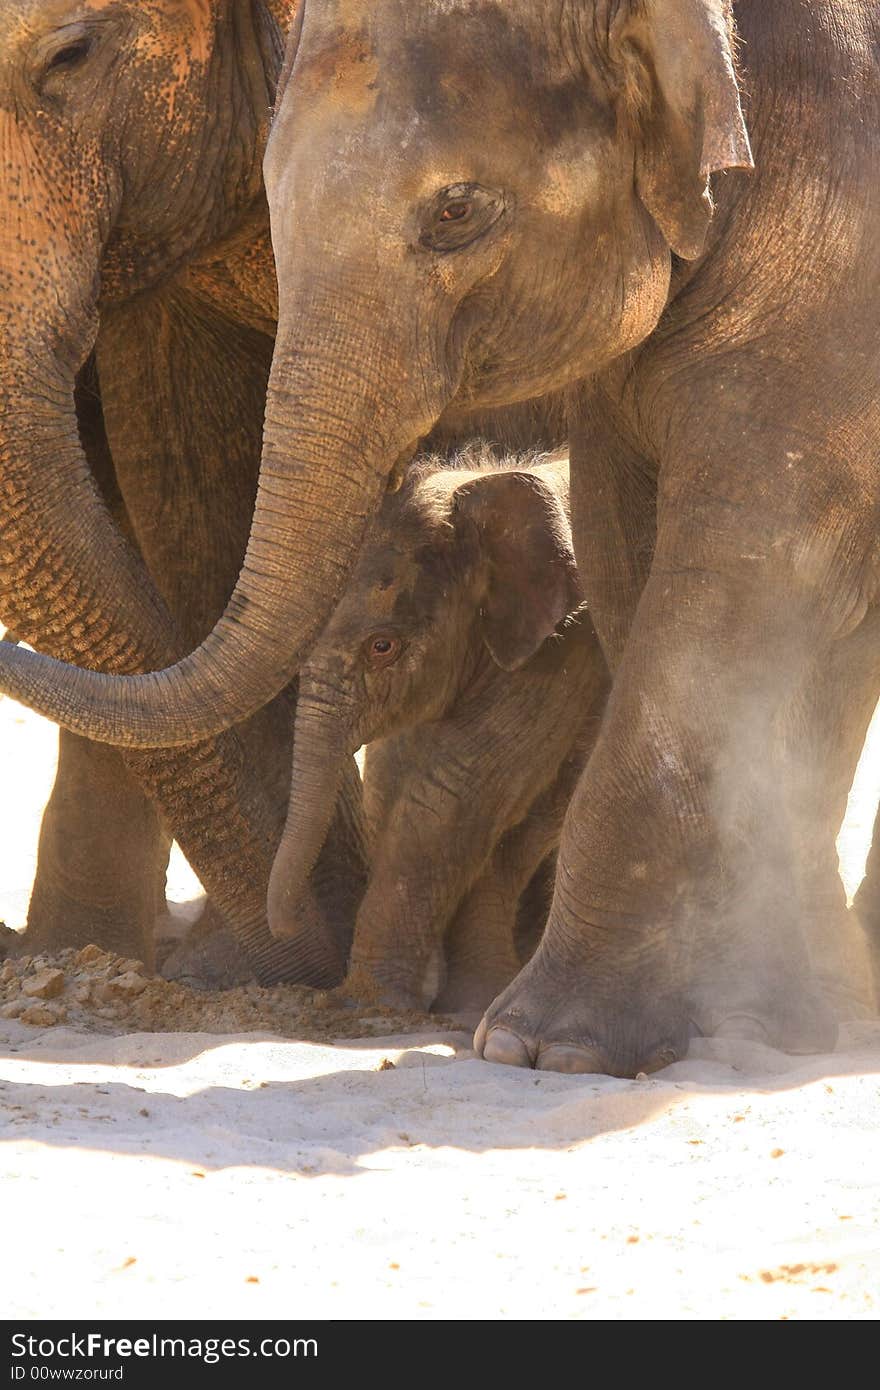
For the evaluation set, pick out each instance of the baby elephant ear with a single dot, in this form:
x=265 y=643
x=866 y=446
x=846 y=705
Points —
x=681 y=90
x=524 y=538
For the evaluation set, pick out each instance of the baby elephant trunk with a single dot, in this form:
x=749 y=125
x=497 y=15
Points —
x=321 y=747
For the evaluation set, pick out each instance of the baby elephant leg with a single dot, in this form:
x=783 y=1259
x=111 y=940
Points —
x=483 y=947
x=481 y=955
x=533 y=908
x=102 y=858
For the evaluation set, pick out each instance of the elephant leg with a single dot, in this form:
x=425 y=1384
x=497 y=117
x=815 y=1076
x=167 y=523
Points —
x=416 y=885
x=867 y=903
x=339 y=879
x=676 y=904
x=207 y=957
x=102 y=854
x=102 y=857
x=432 y=833
x=533 y=907
x=482 y=954
x=481 y=957
x=826 y=729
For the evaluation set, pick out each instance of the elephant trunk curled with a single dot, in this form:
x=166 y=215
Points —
x=334 y=428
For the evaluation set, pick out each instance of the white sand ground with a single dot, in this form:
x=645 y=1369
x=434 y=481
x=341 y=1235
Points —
x=157 y=1175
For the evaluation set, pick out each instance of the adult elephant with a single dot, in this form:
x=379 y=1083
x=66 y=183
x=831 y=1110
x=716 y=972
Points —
x=474 y=203
x=137 y=320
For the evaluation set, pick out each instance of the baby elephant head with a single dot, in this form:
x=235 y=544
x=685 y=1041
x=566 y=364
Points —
x=469 y=568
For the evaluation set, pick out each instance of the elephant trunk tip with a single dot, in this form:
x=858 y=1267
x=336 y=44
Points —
x=296 y=920
x=285 y=907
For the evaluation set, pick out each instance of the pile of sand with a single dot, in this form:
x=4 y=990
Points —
x=105 y=993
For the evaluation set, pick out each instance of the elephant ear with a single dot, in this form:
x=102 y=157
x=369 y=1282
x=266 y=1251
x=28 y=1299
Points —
x=682 y=93
x=524 y=538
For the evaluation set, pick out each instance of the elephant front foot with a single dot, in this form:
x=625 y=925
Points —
x=57 y=923
x=555 y=1016
x=776 y=1007
x=551 y=1019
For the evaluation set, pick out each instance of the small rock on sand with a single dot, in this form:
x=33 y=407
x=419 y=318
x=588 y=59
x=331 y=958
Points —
x=90 y=955
x=129 y=983
x=47 y=984
x=43 y=1015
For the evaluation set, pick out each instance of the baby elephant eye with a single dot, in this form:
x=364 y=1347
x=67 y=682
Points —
x=382 y=650
x=459 y=215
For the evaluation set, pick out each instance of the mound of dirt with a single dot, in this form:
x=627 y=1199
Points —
x=100 y=992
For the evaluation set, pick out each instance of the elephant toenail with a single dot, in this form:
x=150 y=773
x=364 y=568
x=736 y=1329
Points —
x=567 y=1057
x=744 y=1027
x=506 y=1048
x=664 y=1058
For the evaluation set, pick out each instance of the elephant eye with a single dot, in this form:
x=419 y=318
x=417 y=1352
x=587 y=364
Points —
x=454 y=212
x=70 y=55
x=459 y=215
x=75 y=46
x=382 y=649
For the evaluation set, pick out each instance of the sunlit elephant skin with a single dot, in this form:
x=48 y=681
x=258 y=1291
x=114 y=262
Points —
x=455 y=656
x=137 y=320
x=867 y=903
x=824 y=734
x=473 y=204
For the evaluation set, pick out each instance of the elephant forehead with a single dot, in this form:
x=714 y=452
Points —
x=23 y=19
x=381 y=576
x=29 y=14
x=440 y=69
x=341 y=70
x=384 y=586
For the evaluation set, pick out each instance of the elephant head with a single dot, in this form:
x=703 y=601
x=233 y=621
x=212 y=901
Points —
x=131 y=134
x=468 y=569
x=472 y=203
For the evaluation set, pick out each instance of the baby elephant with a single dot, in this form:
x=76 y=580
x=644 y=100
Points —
x=462 y=655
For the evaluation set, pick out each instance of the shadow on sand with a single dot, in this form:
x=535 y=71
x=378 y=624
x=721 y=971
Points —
x=266 y=1102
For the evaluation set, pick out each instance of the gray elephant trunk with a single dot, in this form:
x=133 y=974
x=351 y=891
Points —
x=66 y=571
x=335 y=427
x=322 y=745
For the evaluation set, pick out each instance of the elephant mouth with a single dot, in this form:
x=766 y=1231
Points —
x=400 y=467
